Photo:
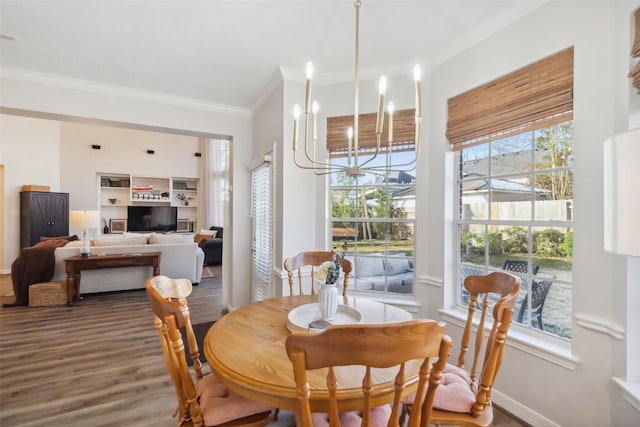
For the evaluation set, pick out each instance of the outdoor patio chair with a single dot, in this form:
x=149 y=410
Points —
x=519 y=266
x=539 y=291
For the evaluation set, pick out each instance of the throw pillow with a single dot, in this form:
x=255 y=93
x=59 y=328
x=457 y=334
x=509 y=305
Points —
x=200 y=237
x=397 y=265
x=367 y=267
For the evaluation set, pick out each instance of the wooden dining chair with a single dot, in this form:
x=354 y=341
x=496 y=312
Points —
x=369 y=346
x=308 y=262
x=464 y=398
x=207 y=402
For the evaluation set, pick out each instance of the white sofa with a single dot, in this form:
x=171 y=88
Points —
x=180 y=258
x=369 y=273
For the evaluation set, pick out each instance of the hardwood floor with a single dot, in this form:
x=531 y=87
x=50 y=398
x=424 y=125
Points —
x=98 y=363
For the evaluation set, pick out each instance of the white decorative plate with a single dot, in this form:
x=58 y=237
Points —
x=300 y=317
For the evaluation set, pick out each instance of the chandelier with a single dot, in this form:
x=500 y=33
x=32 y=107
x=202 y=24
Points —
x=355 y=167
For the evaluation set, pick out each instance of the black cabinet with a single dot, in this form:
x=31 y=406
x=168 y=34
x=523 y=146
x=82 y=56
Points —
x=42 y=214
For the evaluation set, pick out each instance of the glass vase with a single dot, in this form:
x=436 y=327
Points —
x=328 y=301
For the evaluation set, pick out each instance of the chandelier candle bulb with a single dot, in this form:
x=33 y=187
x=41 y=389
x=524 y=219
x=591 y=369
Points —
x=308 y=97
x=390 y=110
x=417 y=137
x=350 y=147
x=383 y=91
x=314 y=109
x=296 y=118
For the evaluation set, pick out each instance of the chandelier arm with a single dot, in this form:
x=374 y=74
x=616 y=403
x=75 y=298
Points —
x=312 y=167
x=319 y=169
x=399 y=165
x=394 y=168
x=375 y=154
x=313 y=161
x=356 y=170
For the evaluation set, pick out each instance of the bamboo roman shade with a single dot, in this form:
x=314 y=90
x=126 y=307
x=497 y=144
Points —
x=535 y=96
x=635 y=52
x=404 y=128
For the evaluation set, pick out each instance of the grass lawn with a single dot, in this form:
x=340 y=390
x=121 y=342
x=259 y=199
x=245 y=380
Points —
x=376 y=246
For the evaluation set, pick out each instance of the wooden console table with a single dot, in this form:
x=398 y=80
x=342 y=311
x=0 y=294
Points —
x=77 y=263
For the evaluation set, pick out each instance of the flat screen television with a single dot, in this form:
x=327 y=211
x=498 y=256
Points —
x=152 y=218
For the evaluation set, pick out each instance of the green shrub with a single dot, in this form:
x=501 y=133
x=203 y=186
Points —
x=495 y=243
x=550 y=243
x=516 y=241
x=567 y=244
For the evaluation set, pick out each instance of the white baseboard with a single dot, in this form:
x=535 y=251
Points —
x=520 y=411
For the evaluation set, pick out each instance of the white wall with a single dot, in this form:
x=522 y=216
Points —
x=30 y=151
x=34 y=94
x=122 y=151
x=552 y=394
x=267 y=127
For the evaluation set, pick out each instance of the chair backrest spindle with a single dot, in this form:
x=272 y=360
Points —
x=168 y=299
x=379 y=346
x=313 y=260
x=466 y=397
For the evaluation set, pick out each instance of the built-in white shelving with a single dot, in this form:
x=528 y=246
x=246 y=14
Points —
x=118 y=191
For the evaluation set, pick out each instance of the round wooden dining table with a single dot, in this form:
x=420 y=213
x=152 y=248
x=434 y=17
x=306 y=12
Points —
x=246 y=351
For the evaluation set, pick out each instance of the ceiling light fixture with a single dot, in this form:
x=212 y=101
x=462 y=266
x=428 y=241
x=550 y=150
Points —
x=354 y=166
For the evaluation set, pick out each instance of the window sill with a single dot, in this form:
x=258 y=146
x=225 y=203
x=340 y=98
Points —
x=530 y=343
x=405 y=303
x=630 y=392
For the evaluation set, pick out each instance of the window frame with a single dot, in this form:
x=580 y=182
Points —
x=559 y=347
x=352 y=250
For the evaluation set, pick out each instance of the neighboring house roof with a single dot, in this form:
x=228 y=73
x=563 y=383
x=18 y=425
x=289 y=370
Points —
x=506 y=189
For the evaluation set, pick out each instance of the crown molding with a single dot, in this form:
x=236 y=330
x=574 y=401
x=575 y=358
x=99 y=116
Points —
x=274 y=82
x=119 y=91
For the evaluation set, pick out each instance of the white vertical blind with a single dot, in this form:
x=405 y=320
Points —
x=262 y=232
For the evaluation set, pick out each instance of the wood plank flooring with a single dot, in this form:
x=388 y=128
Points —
x=98 y=363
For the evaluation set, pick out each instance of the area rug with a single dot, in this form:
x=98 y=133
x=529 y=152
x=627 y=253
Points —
x=207 y=272
x=200 y=330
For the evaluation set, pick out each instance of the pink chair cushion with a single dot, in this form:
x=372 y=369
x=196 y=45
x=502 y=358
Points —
x=454 y=392
x=219 y=405
x=379 y=418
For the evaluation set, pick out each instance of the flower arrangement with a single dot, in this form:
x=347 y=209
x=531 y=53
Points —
x=329 y=271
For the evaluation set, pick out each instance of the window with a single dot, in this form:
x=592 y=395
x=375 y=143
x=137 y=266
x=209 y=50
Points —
x=516 y=214
x=218 y=185
x=514 y=143
x=261 y=232
x=373 y=218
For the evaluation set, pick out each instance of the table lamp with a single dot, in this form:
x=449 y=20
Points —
x=84 y=220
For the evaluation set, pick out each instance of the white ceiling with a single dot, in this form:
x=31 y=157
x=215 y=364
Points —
x=227 y=52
